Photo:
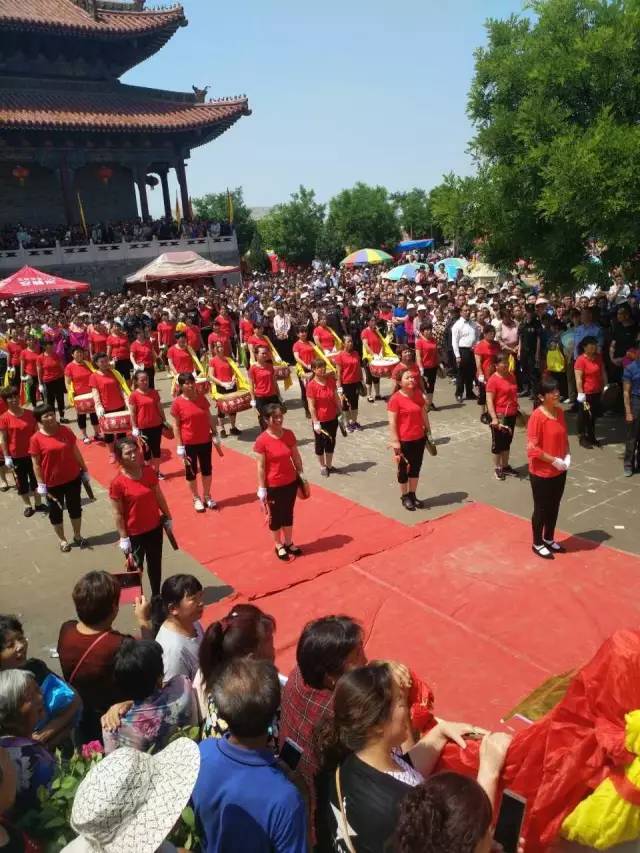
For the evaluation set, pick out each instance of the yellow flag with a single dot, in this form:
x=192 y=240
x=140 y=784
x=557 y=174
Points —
x=229 y=206
x=178 y=214
x=83 y=221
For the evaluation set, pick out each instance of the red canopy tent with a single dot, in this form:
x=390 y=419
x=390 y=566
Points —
x=31 y=282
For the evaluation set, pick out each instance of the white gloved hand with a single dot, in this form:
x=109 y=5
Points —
x=317 y=427
x=100 y=411
x=262 y=493
x=567 y=460
x=135 y=432
x=582 y=398
x=559 y=464
x=340 y=391
x=8 y=462
x=41 y=389
x=481 y=379
x=216 y=440
x=253 y=404
x=41 y=489
x=125 y=544
x=180 y=450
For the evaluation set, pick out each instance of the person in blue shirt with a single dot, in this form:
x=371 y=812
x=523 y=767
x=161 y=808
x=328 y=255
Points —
x=631 y=394
x=587 y=329
x=399 y=316
x=242 y=798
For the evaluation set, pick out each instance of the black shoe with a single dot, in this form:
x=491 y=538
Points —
x=542 y=551
x=500 y=475
x=29 y=511
x=584 y=442
x=434 y=408
x=471 y=397
x=510 y=471
x=555 y=547
x=407 y=502
x=80 y=541
x=418 y=504
x=596 y=442
x=235 y=431
x=42 y=508
x=294 y=550
x=459 y=398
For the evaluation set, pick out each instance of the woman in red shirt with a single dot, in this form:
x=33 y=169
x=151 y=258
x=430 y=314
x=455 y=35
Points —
x=502 y=406
x=119 y=351
x=324 y=406
x=196 y=426
x=60 y=470
x=108 y=395
x=98 y=339
x=246 y=332
x=407 y=362
x=408 y=427
x=180 y=358
x=78 y=374
x=256 y=340
x=349 y=369
x=17 y=425
x=143 y=355
x=323 y=336
x=166 y=334
x=591 y=378
x=262 y=383
x=224 y=324
x=428 y=361
x=51 y=379
x=485 y=353
x=549 y=460
x=279 y=473
x=29 y=358
x=140 y=509
x=223 y=377
x=15 y=345
x=371 y=346
x=147 y=418
x=303 y=354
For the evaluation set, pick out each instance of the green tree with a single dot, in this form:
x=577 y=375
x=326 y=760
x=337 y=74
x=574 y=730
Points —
x=555 y=100
x=415 y=215
x=329 y=247
x=292 y=229
x=256 y=256
x=214 y=206
x=364 y=217
x=454 y=207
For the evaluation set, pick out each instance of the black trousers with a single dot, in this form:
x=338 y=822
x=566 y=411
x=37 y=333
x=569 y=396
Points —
x=429 y=375
x=65 y=496
x=528 y=371
x=586 y=421
x=465 y=373
x=326 y=443
x=410 y=463
x=303 y=394
x=281 y=501
x=25 y=476
x=82 y=420
x=351 y=391
x=15 y=379
x=54 y=394
x=30 y=390
x=149 y=546
x=633 y=436
x=123 y=366
x=547 y=494
x=152 y=440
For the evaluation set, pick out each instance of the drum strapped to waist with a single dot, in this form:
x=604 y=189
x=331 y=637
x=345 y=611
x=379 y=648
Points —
x=383 y=366
x=203 y=387
x=281 y=371
x=236 y=401
x=112 y=422
x=84 y=403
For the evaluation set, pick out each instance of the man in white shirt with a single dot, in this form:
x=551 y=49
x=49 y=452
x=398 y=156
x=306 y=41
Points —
x=463 y=339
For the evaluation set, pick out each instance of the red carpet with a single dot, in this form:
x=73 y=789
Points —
x=461 y=599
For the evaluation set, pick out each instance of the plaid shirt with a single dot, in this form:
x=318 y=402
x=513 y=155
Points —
x=302 y=708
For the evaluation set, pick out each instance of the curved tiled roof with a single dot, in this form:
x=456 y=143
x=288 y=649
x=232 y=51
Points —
x=112 y=111
x=66 y=16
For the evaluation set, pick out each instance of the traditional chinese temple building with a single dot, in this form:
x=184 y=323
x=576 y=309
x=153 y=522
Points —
x=71 y=132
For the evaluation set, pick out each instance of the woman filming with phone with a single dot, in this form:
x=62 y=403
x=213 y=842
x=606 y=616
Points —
x=140 y=510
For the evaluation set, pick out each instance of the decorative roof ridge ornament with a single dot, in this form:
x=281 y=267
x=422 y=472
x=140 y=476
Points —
x=200 y=94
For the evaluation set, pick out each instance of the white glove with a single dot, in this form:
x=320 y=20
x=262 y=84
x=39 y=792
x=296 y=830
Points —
x=41 y=389
x=180 y=450
x=581 y=398
x=567 y=460
x=125 y=544
x=135 y=432
x=84 y=476
x=481 y=379
x=340 y=389
x=317 y=427
x=8 y=462
x=41 y=489
x=100 y=411
x=253 y=404
x=262 y=493
x=559 y=464
x=228 y=386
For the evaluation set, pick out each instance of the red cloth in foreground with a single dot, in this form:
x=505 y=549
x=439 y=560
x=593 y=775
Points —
x=559 y=760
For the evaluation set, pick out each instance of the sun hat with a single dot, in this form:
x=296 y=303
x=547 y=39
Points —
x=130 y=800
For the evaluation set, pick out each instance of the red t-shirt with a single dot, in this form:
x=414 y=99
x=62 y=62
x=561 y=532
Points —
x=413 y=368
x=246 y=327
x=324 y=337
x=255 y=342
x=505 y=393
x=181 y=359
x=194 y=338
x=119 y=347
x=264 y=383
x=205 y=315
x=372 y=339
x=305 y=351
x=216 y=338
x=591 y=373
x=109 y=391
x=142 y=352
x=19 y=429
x=350 y=369
x=30 y=362
x=280 y=470
x=221 y=369
x=51 y=367
x=488 y=352
x=409 y=415
x=57 y=459
x=147 y=408
x=428 y=349
x=548 y=435
x=166 y=334
x=140 y=508
x=324 y=397
x=193 y=416
x=224 y=325
x=98 y=341
x=80 y=375
x=14 y=348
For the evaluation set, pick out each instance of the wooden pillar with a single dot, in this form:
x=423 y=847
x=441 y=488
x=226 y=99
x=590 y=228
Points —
x=166 y=198
x=184 y=192
x=71 y=210
x=141 y=181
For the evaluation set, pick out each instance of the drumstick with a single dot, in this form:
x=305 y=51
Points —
x=399 y=456
x=169 y=533
x=88 y=490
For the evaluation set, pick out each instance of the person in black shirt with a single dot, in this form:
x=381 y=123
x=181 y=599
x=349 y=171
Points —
x=624 y=333
x=529 y=343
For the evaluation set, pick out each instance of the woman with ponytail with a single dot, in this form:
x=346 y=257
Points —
x=175 y=615
x=246 y=631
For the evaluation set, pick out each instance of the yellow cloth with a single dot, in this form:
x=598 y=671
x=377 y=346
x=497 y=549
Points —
x=278 y=362
x=121 y=382
x=511 y=363
x=241 y=380
x=604 y=819
x=387 y=352
x=70 y=388
x=198 y=363
x=336 y=338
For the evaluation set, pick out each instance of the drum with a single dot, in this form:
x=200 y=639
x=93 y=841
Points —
x=236 y=401
x=383 y=366
x=115 y=422
x=281 y=371
x=84 y=403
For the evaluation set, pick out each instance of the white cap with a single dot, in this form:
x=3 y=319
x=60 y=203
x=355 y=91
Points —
x=410 y=305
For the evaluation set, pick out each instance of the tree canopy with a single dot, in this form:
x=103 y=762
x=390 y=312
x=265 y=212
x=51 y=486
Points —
x=293 y=229
x=214 y=206
x=414 y=213
x=362 y=217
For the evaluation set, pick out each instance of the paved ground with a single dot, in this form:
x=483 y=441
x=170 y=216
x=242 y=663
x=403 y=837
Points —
x=599 y=503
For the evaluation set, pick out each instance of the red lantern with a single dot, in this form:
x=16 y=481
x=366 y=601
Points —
x=20 y=172
x=105 y=173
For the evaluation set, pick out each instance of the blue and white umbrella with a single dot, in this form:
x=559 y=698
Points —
x=407 y=271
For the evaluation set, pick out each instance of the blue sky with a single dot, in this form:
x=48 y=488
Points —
x=341 y=92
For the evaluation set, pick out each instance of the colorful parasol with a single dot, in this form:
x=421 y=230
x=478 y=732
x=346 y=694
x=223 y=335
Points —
x=452 y=265
x=364 y=257
x=407 y=271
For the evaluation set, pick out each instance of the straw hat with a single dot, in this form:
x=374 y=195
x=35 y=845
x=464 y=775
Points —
x=130 y=800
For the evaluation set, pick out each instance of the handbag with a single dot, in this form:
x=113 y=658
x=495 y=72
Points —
x=432 y=450
x=344 y=829
x=167 y=431
x=304 y=489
